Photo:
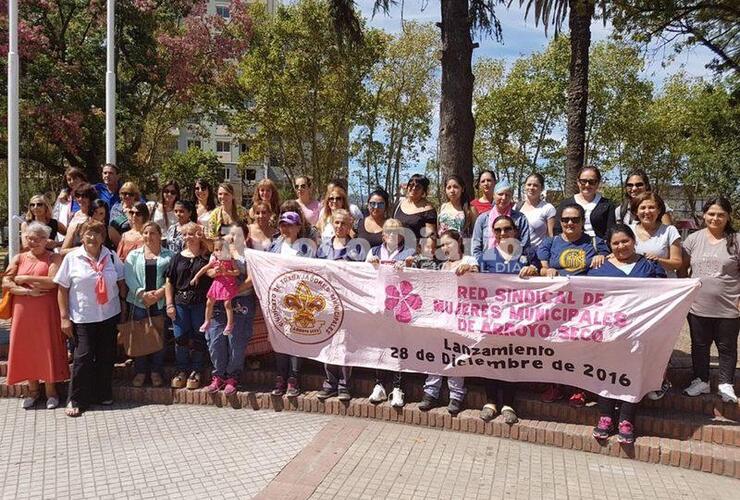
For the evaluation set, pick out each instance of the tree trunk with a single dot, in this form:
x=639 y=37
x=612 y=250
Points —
x=579 y=22
x=456 y=124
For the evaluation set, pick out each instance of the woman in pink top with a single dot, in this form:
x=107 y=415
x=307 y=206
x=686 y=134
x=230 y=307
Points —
x=486 y=181
x=310 y=207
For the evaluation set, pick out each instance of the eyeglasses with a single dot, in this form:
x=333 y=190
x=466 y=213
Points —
x=499 y=230
x=334 y=198
x=634 y=185
x=35 y=205
x=570 y=220
x=169 y=191
x=199 y=188
x=126 y=195
x=376 y=204
x=588 y=182
x=298 y=187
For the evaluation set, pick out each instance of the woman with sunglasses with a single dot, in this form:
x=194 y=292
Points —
x=485 y=183
x=163 y=212
x=336 y=198
x=483 y=237
x=573 y=252
x=266 y=191
x=310 y=207
x=132 y=239
x=40 y=211
x=415 y=212
x=85 y=195
x=370 y=228
x=205 y=201
x=119 y=219
x=599 y=211
x=636 y=184
x=456 y=213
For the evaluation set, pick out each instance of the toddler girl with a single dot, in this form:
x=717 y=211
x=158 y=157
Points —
x=224 y=286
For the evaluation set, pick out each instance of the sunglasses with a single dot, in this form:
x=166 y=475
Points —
x=199 y=188
x=169 y=191
x=634 y=185
x=570 y=220
x=499 y=230
x=588 y=182
x=35 y=205
x=334 y=198
x=298 y=187
x=376 y=204
x=126 y=195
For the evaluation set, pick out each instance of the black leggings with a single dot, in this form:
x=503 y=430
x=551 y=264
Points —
x=500 y=393
x=382 y=375
x=721 y=331
x=608 y=408
x=287 y=365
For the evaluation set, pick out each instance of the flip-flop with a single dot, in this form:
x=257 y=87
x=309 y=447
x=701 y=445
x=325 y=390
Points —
x=72 y=411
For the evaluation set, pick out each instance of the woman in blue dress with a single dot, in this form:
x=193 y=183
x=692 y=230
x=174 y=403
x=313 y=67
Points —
x=507 y=256
x=623 y=262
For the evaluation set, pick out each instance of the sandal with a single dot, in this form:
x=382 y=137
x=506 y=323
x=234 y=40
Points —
x=72 y=410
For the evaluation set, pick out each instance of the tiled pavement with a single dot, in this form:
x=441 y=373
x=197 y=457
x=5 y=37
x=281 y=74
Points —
x=181 y=451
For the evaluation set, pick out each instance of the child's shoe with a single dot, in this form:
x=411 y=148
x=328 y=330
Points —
x=293 y=390
x=230 y=386
x=216 y=384
x=603 y=429
x=626 y=432
x=279 y=389
x=204 y=327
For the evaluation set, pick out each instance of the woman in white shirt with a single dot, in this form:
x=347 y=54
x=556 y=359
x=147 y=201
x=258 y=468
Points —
x=658 y=242
x=90 y=282
x=205 y=201
x=163 y=212
x=540 y=214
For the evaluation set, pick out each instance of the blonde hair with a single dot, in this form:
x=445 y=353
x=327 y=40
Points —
x=274 y=199
x=345 y=213
x=150 y=225
x=130 y=187
x=36 y=199
x=391 y=225
x=192 y=226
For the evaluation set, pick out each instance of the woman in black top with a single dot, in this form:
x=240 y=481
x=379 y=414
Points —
x=186 y=306
x=599 y=210
x=370 y=229
x=415 y=212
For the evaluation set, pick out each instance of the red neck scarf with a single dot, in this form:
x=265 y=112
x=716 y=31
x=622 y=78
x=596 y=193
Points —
x=101 y=291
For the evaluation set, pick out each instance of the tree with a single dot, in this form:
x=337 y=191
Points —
x=299 y=90
x=684 y=23
x=579 y=13
x=191 y=165
x=396 y=114
x=169 y=55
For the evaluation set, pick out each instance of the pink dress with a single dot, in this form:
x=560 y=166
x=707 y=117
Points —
x=224 y=287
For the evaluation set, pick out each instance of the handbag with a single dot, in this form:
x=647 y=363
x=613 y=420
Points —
x=6 y=305
x=143 y=336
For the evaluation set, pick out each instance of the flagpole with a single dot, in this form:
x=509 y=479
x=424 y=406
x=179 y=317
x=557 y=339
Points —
x=13 y=136
x=110 y=86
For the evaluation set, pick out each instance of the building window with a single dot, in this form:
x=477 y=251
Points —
x=223 y=147
x=223 y=11
x=194 y=143
x=250 y=174
x=227 y=174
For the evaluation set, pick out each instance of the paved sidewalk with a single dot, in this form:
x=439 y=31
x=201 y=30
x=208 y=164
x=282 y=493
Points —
x=186 y=451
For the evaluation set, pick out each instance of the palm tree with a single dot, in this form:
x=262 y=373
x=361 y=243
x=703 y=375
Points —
x=460 y=18
x=579 y=14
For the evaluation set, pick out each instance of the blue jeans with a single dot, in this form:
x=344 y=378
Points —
x=153 y=362
x=228 y=351
x=190 y=343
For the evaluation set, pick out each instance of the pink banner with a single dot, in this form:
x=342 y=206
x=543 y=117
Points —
x=610 y=336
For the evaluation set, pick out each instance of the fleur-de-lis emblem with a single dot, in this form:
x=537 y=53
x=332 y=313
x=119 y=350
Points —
x=305 y=305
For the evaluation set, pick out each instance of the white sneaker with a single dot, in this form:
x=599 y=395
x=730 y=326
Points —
x=697 y=386
x=397 y=398
x=664 y=388
x=727 y=393
x=52 y=403
x=378 y=394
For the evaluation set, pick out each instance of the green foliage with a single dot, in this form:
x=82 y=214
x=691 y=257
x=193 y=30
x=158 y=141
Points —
x=299 y=90
x=193 y=164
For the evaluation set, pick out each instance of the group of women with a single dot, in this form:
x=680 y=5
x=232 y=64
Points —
x=166 y=258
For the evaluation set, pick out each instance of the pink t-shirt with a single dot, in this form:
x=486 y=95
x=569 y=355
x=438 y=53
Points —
x=311 y=211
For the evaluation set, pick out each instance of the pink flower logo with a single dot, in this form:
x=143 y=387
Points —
x=401 y=301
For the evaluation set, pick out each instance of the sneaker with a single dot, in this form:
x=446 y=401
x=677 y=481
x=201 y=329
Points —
x=488 y=412
x=664 y=388
x=427 y=402
x=326 y=394
x=293 y=390
x=578 y=399
x=279 y=389
x=454 y=407
x=52 y=403
x=509 y=415
x=193 y=381
x=29 y=402
x=343 y=395
x=697 y=386
x=179 y=381
x=626 y=432
x=138 y=380
x=727 y=393
x=216 y=384
x=397 y=398
x=604 y=428
x=552 y=393
x=230 y=385
x=157 y=380
x=378 y=394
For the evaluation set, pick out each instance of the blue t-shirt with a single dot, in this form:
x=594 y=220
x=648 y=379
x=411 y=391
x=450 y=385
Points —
x=643 y=268
x=491 y=261
x=571 y=258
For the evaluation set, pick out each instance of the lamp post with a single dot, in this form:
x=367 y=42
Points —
x=13 y=139
x=110 y=85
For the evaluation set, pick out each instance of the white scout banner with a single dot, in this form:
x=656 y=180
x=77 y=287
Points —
x=610 y=336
